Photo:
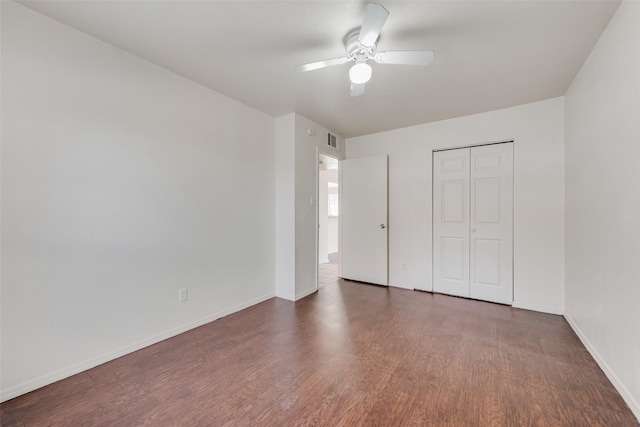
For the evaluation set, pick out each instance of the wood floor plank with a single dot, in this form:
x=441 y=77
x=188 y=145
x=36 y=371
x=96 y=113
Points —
x=349 y=355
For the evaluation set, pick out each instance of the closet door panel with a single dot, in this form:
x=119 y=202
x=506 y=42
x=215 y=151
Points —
x=451 y=222
x=491 y=223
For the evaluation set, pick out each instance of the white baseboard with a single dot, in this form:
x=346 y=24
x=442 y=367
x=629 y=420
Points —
x=541 y=309
x=305 y=293
x=286 y=295
x=401 y=286
x=615 y=380
x=47 y=379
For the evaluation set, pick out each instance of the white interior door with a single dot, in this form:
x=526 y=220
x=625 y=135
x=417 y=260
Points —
x=473 y=222
x=491 y=237
x=364 y=219
x=451 y=222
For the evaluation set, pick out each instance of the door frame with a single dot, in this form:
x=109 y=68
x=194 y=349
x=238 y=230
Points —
x=318 y=154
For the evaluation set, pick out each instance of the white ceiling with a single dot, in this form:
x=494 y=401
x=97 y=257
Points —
x=489 y=54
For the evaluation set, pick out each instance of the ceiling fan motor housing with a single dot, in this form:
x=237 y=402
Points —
x=354 y=47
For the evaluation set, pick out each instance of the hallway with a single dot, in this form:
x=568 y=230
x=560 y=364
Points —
x=328 y=272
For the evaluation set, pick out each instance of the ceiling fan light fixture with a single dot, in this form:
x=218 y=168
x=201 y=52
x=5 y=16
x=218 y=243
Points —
x=360 y=44
x=360 y=73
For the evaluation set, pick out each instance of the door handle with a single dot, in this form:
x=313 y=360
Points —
x=382 y=226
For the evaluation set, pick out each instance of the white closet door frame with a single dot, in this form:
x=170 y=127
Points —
x=473 y=222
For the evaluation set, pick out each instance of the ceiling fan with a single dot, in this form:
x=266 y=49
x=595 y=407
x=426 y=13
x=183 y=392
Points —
x=361 y=47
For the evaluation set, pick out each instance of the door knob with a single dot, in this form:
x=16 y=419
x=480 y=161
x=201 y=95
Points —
x=382 y=225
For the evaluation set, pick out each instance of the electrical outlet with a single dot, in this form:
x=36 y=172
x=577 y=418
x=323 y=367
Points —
x=183 y=295
x=404 y=266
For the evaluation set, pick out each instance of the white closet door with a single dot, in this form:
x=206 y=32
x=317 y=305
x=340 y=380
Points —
x=364 y=219
x=451 y=222
x=473 y=222
x=491 y=260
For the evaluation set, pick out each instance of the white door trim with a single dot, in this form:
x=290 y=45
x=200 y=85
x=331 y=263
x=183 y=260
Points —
x=318 y=153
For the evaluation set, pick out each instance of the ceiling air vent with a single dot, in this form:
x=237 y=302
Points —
x=332 y=141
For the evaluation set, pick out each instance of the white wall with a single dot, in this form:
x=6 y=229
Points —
x=121 y=184
x=285 y=209
x=328 y=226
x=333 y=221
x=306 y=188
x=333 y=234
x=323 y=217
x=538 y=203
x=295 y=144
x=603 y=202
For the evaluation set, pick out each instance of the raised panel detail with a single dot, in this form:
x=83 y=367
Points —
x=453 y=258
x=487 y=161
x=452 y=165
x=453 y=201
x=487 y=261
x=487 y=200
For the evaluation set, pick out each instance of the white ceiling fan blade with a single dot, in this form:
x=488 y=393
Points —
x=405 y=57
x=322 y=64
x=357 y=89
x=374 y=18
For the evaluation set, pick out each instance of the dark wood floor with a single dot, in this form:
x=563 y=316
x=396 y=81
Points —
x=349 y=355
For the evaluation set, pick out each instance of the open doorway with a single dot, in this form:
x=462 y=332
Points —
x=328 y=219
